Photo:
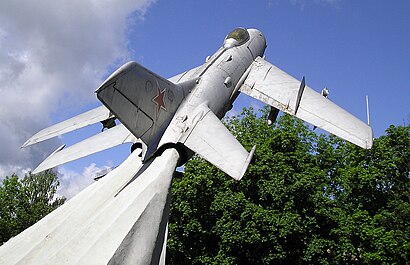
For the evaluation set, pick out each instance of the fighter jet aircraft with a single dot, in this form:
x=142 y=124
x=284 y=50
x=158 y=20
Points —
x=184 y=111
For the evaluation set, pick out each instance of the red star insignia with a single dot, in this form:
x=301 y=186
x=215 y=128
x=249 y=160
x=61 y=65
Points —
x=159 y=100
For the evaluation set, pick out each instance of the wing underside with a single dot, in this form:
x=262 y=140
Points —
x=87 y=118
x=99 y=142
x=273 y=86
x=211 y=140
x=120 y=134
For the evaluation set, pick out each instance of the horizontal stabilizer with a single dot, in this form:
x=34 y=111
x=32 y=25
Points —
x=99 y=142
x=273 y=86
x=87 y=118
x=211 y=140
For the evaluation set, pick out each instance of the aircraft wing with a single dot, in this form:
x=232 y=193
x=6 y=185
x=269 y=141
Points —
x=211 y=140
x=87 y=118
x=187 y=75
x=99 y=142
x=273 y=86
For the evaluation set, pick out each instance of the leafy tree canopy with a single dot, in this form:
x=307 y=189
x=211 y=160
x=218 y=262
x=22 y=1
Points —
x=306 y=199
x=25 y=201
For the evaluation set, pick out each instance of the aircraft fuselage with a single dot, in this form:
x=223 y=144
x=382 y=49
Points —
x=216 y=84
x=184 y=112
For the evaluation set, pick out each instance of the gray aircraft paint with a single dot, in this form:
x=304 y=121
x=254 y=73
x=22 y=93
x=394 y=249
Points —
x=122 y=218
x=163 y=113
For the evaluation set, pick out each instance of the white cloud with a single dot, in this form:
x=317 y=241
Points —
x=72 y=182
x=6 y=169
x=53 y=54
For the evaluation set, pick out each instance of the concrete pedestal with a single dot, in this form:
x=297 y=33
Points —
x=120 y=219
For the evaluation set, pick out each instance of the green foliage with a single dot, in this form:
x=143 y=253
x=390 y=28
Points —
x=306 y=199
x=25 y=201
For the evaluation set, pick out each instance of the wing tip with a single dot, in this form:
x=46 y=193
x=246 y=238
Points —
x=37 y=170
x=365 y=142
x=45 y=165
x=40 y=168
x=26 y=143
x=30 y=141
x=369 y=144
x=246 y=164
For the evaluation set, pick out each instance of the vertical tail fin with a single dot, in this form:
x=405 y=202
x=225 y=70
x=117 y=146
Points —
x=142 y=100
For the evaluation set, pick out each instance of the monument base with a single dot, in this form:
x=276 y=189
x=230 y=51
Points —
x=120 y=219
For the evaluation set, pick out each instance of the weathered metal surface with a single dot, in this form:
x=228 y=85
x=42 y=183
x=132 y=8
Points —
x=120 y=219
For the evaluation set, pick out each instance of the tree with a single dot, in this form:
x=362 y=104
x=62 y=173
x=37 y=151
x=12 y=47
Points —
x=25 y=201
x=375 y=200
x=306 y=198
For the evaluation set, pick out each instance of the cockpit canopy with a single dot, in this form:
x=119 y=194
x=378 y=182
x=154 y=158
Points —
x=237 y=37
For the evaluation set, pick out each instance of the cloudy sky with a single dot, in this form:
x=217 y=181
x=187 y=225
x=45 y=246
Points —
x=53 y=54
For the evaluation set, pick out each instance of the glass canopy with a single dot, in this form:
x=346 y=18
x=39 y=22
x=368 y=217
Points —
x=236 y=37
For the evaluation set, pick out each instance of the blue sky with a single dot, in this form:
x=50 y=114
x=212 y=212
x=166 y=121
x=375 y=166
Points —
x=355 y=48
